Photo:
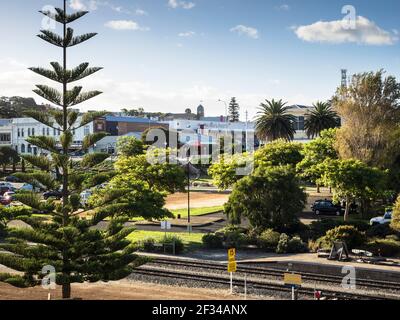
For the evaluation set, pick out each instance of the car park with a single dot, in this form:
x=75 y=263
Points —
x=385 y=219
x=327 y=207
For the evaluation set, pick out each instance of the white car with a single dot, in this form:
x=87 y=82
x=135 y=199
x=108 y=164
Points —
x=386 y=219
x=85 y=195
x=6 y=184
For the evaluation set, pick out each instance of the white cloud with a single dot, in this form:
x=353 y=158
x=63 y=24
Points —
x=188 y=34
x=125 y=25
x=248 y=31
x=366 y=32
x=175 y=4
x=77 y=5
x=283 y=7
x=140 y=12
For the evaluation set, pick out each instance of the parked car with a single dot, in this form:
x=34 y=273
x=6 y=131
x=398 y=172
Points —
x=386 y=219
x=52 y=194
x=10 y=195
x=4 y=189
x=12 y=179
x=325 y=207
x=85 y=195
x=6 y=184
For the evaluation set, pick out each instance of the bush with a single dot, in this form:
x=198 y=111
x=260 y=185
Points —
x=380 y=231
x=349 y=234
x=318 y=229
x=296 y=245
x=283 y=243
x=269 y=239
x=233 y=236
x=213 y=241
x=179 y=246
x=320 y=243
x=149 y=245
x=384 y=247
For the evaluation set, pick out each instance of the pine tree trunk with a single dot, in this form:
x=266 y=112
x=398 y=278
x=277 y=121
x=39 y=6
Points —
x=66 y=287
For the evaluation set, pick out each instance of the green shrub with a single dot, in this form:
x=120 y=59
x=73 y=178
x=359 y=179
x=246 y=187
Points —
x=349 y=234
x=282 y=246
x=318 y=229
x=379 y=231
x=233 y=236
x=269 y=239
x=148 y=245
x=179 y=246
x=296 y=245
x=213 y=241
x=320 y=243
x=384 y=247
x=393 y=237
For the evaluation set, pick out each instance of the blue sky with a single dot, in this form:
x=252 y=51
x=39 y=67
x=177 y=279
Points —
x=167 y=55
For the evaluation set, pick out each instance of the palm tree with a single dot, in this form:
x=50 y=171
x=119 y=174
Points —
x=274 y=122
x=321 y=118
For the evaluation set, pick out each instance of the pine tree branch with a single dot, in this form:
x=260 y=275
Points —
x=41 y=162
x=44 y=142
x=49 y=94
x=92 y=139
x=41 y=117
x=90 y=117
x=80 y=39
x=51 y=38
x=84 y=97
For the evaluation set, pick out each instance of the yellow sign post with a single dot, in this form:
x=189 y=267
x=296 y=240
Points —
x=232 y=265
x=294 y=281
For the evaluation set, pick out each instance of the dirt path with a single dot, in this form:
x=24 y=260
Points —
x=120 y=290
x=197 y=200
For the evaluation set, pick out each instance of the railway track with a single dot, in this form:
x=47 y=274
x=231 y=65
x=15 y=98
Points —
x=261 y=285
x=271 y=272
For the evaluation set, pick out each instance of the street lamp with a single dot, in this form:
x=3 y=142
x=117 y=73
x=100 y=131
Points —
x=226 y=109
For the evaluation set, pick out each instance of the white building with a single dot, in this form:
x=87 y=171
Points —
x=5 y=132
x=23 y=128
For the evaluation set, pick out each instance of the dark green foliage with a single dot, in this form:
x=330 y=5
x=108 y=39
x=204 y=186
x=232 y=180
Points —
x=233 y=110
x=268 y=240
x=213 y=241
x=269 y=199
x=380 y=231
x=274 y=121
x=290 y=245
x=349 y=234
x=323 y=117
x=384 y=247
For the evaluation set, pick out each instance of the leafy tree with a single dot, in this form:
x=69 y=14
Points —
x=129 y=146
x=323 y=117
x=270 y=198
x=279 y=152
x=167 y=134
x=8 y=156
x=274 y=122
x=224 y=172
x=276 y=153
x=369 y=107
x=315 y=153
x=396 y=216
x=353 y=180
x=233 y=110
x=134 y=112
x=66 y=240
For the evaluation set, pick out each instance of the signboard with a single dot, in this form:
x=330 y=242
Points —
x=165 y=225
x=292 y=280
x=232 y=255
x=232 y=266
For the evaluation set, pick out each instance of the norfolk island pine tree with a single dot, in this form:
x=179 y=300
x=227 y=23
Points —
x=67 y=240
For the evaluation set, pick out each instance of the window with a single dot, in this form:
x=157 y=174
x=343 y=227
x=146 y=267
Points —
x=22 y=148
x=54 y=132
x=33 y=131
x=43 y=131
x=22 y=132
x=48 y=131
x=29 y=148
x=59 y=132
x=29 y=132
x=19 y=132
x=86 y=131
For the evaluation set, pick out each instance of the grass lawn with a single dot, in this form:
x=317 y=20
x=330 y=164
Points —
x=197 y=211
x=190 y=240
